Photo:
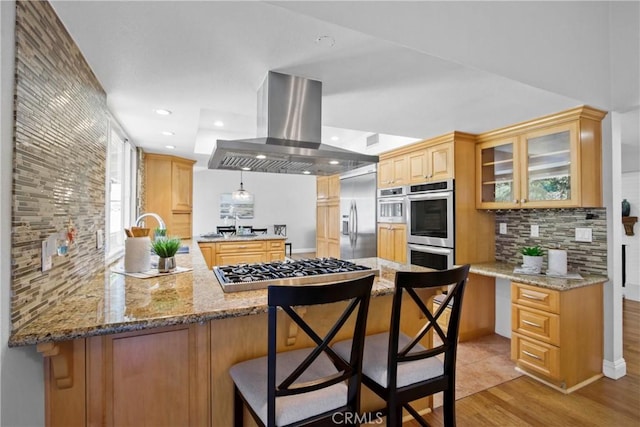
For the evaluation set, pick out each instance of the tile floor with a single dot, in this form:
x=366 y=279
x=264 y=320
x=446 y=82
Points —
x=482 y=363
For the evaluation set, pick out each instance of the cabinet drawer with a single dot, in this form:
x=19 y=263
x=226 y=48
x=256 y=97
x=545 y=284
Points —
x=536 y=297
x=536 y=356
x=536 y=324
x=274 y=245
x=248 y=246
x=275 y=256
x=240 y=258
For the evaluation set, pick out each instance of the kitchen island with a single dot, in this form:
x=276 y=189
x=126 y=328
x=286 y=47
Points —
x=128 y=351
x=241 y=249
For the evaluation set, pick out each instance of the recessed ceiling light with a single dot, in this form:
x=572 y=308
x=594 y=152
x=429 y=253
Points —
x=171 y=147
x=306 y=172
x=246 y=169
x=167 y=133
x=261 y=156
x=162 y=112
x=334 y=138
x=334 y=162
x=325 y=41
x=218 y=123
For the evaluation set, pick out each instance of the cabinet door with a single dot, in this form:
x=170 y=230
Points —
x=550 y=167
x=322 y=188
x=400 y=171
x=399 y=243
x=181 y=186
x=385 y=173
x=152 y=378
x=418 y=169
x=440 y=161
x=497 y=173
x=334 y=186
x=385 y=249
x=180 y=225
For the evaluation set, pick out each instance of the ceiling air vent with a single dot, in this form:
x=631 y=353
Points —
x=373 y=139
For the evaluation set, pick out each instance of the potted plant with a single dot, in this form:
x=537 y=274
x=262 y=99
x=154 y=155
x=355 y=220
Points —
x=166 y=249
x=532 y=258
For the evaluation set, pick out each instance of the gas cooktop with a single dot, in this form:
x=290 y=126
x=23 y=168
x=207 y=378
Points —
x=244 y=277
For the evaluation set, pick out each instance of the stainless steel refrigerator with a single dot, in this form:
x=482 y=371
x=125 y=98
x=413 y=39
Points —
x=358 y=213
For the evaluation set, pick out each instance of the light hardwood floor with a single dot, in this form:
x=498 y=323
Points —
x=525 y=402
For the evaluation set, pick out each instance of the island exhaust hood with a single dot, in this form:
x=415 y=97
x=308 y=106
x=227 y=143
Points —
x=289 y=124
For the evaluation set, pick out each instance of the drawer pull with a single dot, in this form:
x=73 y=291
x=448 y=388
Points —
x=531 y=355
x=530 y=296
x=526 y=322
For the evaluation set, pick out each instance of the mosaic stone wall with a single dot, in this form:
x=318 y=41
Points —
x=59 y=161
x=557 y=231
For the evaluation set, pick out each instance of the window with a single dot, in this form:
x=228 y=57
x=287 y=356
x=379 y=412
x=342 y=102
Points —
x=121 y=194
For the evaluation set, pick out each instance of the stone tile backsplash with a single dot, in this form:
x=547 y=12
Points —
x=557 y=231
x=60 y=138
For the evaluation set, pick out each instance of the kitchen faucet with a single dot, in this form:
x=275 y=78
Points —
x=157 y=218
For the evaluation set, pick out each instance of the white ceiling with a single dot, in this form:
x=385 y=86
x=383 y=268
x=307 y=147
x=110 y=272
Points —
x=410 y=69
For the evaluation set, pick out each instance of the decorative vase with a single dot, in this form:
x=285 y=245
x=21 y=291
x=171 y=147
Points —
x=532 y=263
x=166 y=265
x=626 y=207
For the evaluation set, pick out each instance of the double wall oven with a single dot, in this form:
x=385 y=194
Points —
x=431 y=224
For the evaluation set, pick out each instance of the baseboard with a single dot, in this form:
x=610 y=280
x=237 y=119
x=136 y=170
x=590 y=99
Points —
x=303 y=250
x=614 y=370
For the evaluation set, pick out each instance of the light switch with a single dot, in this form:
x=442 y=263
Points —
x=584 y=235
x=503 y=228
x=535 y=230
x=99 y=239
x=46 y=258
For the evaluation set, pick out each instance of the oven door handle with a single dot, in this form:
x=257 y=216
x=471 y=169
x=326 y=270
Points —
x=387 y=200
x=428 y=196
x=432 y=249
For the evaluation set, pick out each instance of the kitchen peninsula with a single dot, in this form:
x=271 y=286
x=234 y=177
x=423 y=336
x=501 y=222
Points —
x=128 y=351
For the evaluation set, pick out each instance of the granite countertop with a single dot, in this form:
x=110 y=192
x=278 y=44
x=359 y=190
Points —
x=254 y=237
x=505 y=271
x=110 y=302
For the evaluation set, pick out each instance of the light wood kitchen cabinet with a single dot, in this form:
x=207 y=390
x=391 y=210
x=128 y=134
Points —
x=328 y=216
x=557 y=336
x=392 y=242
x=440 y=163
x=242 y=251
x=169 y=192
x=550 y=162
x=153 y=377
x=393 y=172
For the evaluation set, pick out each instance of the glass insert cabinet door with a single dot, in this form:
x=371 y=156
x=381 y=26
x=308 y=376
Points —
x=498 y=174
x=549 y=166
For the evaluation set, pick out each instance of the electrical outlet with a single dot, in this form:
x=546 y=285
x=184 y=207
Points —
x=99 y=239
x=46 y=257
x=535 y=231
x=584 y=235
x=503 y=228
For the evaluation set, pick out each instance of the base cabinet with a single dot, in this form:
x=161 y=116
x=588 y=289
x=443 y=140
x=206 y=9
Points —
x=392 y=242
x=557 y=337
x=157 y=377
x=249 y=252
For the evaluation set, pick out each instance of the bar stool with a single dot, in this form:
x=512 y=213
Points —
x=310 y=385
x=281 y=230
x=410 y=371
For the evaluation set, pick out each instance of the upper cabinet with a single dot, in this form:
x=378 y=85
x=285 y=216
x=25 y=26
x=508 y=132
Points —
x=328 y=187
x=328 y=216
x=550 y=162
x=430 y=160
x=169 y=192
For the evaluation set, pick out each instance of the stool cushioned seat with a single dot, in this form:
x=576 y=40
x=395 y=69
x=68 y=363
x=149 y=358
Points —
x=251 y=379
x=374 y=361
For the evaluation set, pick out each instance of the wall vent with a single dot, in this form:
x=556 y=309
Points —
x=373 y=139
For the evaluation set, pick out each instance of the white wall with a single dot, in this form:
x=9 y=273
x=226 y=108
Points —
x=278 y=199
x=631 y=192
x=21 y=375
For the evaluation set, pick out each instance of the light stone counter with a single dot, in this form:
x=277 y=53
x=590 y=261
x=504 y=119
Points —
x=110 y=302
x=505 y=271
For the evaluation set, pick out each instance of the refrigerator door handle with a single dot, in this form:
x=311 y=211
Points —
x=355 y=223
x=351 y=225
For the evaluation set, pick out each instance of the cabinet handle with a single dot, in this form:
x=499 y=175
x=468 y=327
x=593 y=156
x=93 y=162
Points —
x=515 y=200
x=535 y=297
x=526 y=322
x=241 y=247
x=531 y=355
x=523 y=200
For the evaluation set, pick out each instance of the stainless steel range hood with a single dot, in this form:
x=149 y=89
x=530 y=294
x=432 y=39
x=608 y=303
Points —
x=289 y=123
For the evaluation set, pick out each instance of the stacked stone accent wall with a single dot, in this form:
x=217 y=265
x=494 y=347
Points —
x=557 y=231
x=60 y=140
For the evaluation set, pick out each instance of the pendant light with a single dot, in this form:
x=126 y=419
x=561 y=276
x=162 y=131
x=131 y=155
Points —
x=241 y=195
